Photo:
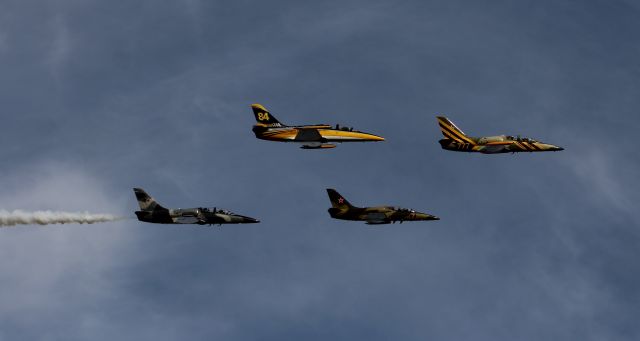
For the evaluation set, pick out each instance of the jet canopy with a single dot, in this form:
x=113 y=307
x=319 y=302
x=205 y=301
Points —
x=338 y=127
x=519 y=139
x=217 y=210
x=401 y=209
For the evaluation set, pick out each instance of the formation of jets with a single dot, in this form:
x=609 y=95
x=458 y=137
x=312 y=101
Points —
x=323 y=136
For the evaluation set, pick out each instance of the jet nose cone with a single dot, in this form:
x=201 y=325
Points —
x=241 y=219
x=426 y=216
x=550 y=147
x=249 y=220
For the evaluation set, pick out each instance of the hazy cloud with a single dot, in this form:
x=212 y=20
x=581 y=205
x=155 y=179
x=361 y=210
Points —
x=101 y=97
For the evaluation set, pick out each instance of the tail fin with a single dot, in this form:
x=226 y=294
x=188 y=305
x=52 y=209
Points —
x=146 y=202
x=337 y=200
x=451 y=131
x=263 y=116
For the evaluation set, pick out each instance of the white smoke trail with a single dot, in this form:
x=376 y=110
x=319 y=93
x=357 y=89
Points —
x=19 y=217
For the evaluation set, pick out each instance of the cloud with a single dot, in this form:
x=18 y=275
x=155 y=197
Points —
x=156 y=95
x=60 y=49
x=603 y=182
x=47 y=274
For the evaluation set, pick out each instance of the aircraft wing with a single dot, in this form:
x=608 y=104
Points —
x=495 y=148
x=202 y=218
x=376 y=218
x=186 y=220
x=308 y=135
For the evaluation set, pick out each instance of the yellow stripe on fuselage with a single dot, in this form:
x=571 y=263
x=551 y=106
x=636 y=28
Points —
x=279 y=134
x=330 y=135
x=333 y=135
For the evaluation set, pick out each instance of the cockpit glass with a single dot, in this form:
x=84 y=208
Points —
x=519 y=139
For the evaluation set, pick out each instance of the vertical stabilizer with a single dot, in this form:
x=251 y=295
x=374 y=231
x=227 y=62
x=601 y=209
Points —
x=337 y=200
x=146 y=202
x=452 y=132
x=263 y=116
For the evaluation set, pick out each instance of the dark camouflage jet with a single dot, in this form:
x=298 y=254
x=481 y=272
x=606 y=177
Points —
x=318 y=136
x=456 y=140
x=152 y=212
x=342 y=209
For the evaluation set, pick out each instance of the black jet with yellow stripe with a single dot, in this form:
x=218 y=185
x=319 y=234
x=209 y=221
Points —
x=456 y=140
x=317 y=136
x=342 y=209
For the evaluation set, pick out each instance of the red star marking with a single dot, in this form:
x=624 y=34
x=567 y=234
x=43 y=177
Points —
x=341 y=201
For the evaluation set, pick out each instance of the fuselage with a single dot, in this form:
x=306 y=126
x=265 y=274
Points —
x=312 y=133
x=201 y=216
x=497 y=144
x=379 y=214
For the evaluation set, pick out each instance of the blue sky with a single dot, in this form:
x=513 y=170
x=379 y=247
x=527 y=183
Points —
x=100 y=97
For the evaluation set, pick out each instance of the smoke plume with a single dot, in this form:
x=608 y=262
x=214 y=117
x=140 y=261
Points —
x=19 y=217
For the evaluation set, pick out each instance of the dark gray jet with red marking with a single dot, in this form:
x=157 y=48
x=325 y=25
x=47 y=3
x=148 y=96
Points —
x=342 y=209
x=152 y=212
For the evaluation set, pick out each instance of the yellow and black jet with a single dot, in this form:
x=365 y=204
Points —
x=318 y=136
x=342 y=209
x=456 y=140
